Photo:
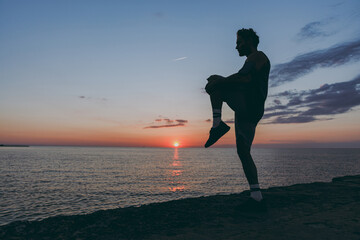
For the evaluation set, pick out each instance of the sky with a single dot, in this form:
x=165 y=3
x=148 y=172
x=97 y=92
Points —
x=132 y=73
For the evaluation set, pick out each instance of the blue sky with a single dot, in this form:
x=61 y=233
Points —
x=118 y=66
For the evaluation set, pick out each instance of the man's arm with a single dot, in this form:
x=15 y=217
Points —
x=243 y=76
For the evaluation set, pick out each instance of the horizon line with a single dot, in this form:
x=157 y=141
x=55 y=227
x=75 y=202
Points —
x=318 y=145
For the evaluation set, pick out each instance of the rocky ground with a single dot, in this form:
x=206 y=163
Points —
x=303 y=211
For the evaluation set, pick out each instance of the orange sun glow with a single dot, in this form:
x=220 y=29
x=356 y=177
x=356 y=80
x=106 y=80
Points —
x=176 y=144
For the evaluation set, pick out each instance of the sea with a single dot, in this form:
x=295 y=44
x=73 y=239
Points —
x=41 y=182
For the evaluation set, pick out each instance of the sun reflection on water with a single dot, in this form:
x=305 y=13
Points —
x=176 y=154
x=176 y=183
x=177 y=189
x=176 y=172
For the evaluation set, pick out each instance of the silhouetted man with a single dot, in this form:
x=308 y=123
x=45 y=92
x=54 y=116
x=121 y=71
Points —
x=245 y=92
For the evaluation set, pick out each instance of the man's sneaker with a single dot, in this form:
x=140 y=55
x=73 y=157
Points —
x=217 y=133
x=251 y=205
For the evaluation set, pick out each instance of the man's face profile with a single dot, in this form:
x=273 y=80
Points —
x=241 y=46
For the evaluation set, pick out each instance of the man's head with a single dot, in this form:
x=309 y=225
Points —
x=247 y=41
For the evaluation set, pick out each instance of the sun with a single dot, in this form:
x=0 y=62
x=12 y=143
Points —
x=176 y=144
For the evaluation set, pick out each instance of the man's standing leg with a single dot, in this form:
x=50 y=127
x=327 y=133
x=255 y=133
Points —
x=245 y=132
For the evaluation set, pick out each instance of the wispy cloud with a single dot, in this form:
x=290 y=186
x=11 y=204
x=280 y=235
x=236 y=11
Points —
x=305 y=63
x=335 y=5
x=179 y=59
x=313 y=30
x=166 y=126
x=315 y=104
x=93 y=98
x=181 y=121
x=230 y=121
x=168 y=123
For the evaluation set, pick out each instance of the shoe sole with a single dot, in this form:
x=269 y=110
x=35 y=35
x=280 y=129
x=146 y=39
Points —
x=218 y=138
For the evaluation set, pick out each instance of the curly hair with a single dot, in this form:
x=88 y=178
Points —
x=249 y=34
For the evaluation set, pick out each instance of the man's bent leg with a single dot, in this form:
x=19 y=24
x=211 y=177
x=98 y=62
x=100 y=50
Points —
x=216 y=100
x=219 y=128
x=216 y=105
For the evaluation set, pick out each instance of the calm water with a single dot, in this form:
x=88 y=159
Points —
x=38 y=182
